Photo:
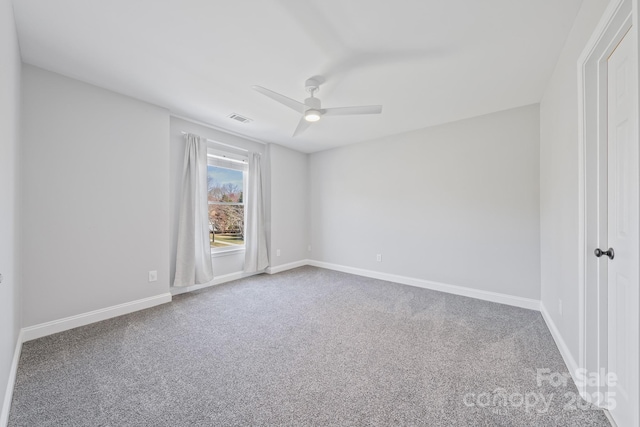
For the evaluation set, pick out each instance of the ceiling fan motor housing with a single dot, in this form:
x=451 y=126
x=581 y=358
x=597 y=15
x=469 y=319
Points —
x=312 y=102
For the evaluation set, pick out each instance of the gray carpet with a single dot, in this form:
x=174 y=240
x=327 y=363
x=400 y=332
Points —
x=304 y=347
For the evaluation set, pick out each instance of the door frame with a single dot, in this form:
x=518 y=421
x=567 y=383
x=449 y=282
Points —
x=619 y=17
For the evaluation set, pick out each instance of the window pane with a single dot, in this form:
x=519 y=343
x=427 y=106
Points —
x=224 y=185
x=226 y=223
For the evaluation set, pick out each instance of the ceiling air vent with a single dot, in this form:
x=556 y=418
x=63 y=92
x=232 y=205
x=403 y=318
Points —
x=239 y=118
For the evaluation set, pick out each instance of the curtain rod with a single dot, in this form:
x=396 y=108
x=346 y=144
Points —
x=220 y=143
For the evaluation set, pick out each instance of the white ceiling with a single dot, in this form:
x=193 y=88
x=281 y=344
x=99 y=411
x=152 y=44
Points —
x=426 y=61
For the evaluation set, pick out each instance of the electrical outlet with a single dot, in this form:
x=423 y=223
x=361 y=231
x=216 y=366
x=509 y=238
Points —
x=0 y=278
x=277 y=252
x=379 y=257
x=153 y=276
x=309 y=248
x=560 y=307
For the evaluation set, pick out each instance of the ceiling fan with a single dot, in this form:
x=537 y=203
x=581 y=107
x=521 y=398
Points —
x=311 y=109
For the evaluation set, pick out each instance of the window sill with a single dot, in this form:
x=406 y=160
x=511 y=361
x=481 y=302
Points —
x=226 y=252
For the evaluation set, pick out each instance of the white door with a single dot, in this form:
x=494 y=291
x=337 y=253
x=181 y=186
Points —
x=623 y=228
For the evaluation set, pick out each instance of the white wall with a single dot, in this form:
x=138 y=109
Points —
x=455 y=204
x=228 y=263
x=9 y=193
x=559 y=180
x=288 y=207
x=95 y=202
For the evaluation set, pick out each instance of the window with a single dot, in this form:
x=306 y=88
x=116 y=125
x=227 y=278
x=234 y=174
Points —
x=226 y=183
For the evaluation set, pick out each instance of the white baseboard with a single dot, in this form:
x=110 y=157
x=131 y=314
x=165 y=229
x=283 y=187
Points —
x=8 y=395
x=527 y=303
x=177 y=290
x=568 y=358
x=37 y=331
x=289 y=266
x=609 y=418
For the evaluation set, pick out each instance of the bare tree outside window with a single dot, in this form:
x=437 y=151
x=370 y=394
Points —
x=226 y=207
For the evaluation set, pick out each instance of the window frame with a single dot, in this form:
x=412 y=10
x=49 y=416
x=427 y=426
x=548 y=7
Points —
x=227 y=160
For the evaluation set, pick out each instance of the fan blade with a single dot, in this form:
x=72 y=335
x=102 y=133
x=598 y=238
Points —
x=344 y=111
x=291 y=103
x=302 y=126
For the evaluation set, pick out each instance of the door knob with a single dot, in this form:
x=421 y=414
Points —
x=610 y=253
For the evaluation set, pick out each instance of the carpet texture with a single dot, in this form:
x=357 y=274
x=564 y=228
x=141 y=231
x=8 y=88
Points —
x=305 y=347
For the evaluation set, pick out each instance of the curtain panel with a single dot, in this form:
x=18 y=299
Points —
x=256 y=258
x=193 y=259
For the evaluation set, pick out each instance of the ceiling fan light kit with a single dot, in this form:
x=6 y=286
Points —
x=312 y=110
x=312 y=115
